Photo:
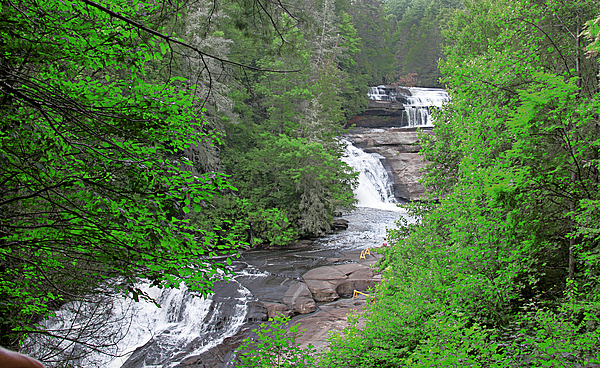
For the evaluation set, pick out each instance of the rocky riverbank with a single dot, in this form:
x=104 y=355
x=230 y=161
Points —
x=319 y=301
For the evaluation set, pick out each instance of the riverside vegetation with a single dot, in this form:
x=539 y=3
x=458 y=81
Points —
x=145 y=141
x=502 y=268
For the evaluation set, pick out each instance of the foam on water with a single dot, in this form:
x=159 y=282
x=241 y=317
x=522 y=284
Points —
x=375 y=187
x=416 y=104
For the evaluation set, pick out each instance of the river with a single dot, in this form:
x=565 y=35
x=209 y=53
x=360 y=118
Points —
x=127 y=334
x=144 y=336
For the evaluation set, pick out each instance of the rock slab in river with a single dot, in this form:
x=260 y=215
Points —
x=331 y=317
x=323 y=281
x=299 y=298
x=329 y=282
x=277 y=309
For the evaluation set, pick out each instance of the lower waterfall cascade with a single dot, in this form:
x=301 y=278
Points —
x=375 y=187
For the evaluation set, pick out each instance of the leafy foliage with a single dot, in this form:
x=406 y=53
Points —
x=500 y=269
x=94 y=182
x=284 y=156
x=275 y=346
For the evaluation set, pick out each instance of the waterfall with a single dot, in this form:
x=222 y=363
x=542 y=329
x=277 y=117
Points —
x=375 y=186
x=140 y=334
x=416 y=102
x=418 y=105
x=378 y=93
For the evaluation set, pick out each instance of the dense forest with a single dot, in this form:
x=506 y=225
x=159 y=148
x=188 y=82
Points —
x=154 y=141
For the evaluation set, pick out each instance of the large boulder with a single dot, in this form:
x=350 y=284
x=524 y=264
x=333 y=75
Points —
x=256 y=312
x=339 y=224
x=350 y=268
x=329 y=282
x=359 y=278
x=330 y=318
x=299 y=299
x=323 y=281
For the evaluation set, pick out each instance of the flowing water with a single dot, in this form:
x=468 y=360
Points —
x=418 y=105
x=416 y=102
x=144 y=336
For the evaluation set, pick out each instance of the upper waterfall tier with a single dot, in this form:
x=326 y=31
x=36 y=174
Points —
x=424 y=97
x=391 y=106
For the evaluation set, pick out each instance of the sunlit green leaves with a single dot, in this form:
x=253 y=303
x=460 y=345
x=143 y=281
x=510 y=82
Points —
x=275 y=346
x=513 y=180
x=95 y=186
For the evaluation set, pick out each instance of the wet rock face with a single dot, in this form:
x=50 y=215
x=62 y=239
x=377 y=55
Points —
x=257 y=312
x=330 y=282
x=277 y=309
x=339 y=224
x=222 y=355
x=331 y=317
x=323 y=281
x=400 y=148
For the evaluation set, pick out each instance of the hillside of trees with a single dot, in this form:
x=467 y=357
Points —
x=139 y=137
x=502 y=268
x=144 y=140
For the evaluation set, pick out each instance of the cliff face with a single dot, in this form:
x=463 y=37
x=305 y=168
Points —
x=400 y=147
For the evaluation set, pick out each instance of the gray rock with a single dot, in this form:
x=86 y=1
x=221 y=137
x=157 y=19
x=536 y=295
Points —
x=348 y=287
x=350 y=268
x=256 y=312
x=324 y=273
x=360 y=278
x=339 y=224
x=323 y=290
x=406 y=172
x=330 y=318
x=362 y=274
x=400 y=147
x=323 y=281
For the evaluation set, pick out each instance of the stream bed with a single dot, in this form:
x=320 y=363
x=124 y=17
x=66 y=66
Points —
x=185 y=329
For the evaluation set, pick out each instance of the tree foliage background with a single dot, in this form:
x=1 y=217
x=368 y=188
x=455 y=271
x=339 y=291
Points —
x=95 y=182
x=148 y=142
x=144 y=141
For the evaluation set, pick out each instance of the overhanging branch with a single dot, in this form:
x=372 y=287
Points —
x=177 y=41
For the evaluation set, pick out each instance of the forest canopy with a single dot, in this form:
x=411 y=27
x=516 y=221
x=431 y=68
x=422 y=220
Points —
x=95 y=181
x=149 y=142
